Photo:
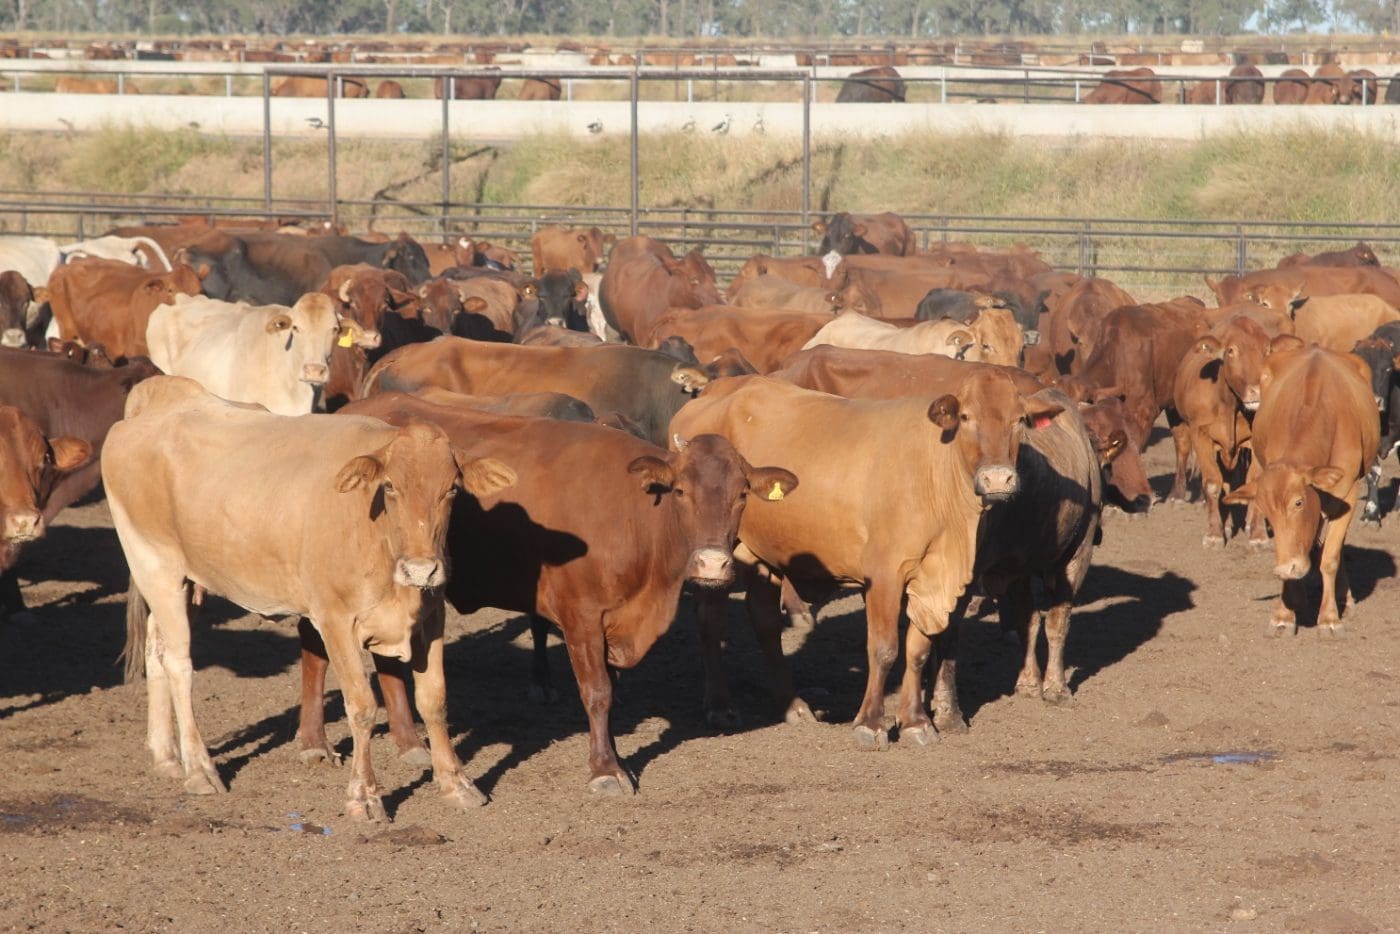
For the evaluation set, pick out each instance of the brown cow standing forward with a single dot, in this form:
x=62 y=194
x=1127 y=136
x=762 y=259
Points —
x=598 y=536
x=1315 y=435
x=862 y=518
x=354 y=544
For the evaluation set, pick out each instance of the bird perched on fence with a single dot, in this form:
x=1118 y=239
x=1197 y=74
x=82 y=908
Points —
x=723 y=126
x=596 y=126
x=316 y=123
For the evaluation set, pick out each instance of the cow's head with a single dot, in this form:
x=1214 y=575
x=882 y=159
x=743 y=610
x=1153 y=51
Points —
x=15 y=297
x=1285 y=298
x=1241 y=345
x=706 y=484
x=405 y=490
x=306 y=333
x=1362 y=252
x=439 y=303
x=405 y=255
x=1383 y=360
x=986 y=419
x=556 y=299
x=1118 y=444
x=842 y=235
x=1294 y=500
x=30 y=465
x=692 y=282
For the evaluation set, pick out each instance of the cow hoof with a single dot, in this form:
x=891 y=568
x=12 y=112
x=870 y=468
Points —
x=169 y=768
x=871 y=740
x=1273 y=630
x=369 y=809
x=315 y=755
x=464 y=794
x=802 y=621
x=724 y=720
x=947 y=723
x=416 y=756
x=543 y=694
x=609 y=785
x=799 y=713
x=921 y=735
x=1213 y=541
x=1028 y=688
x=1057 y=697
x=1331 y=630
x=201 y=783
x=1258 y=544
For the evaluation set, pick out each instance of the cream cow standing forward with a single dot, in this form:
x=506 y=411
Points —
x=338 y=519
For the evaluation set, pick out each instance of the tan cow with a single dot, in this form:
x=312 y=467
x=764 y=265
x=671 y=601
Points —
x=945 y=337
x=1337 y=322
x=862 y=518
x=1315 y=434
x=337 y=519
x=561 y=248
x=766 y=337
x=776 y=292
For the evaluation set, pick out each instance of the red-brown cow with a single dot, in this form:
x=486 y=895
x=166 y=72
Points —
x=1292 y=87
x=865 y=233
x=1315 y=434
x=1127 y=86
x=766 y=337
x=643 y=279
x=102 y=301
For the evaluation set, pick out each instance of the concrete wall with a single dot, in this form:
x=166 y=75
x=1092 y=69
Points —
x=506 y=120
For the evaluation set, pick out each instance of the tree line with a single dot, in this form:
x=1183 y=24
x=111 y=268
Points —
x=704 y=19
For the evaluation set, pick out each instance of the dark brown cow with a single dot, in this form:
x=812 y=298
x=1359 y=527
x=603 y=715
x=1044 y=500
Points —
x=1292 y=87
x=852 y=457
x=15 y=298
x=94 y=355
x=560 y=248
x=600 y=543
x=1315 y=434
x=541 y=89
x=1138 y=353
x=865 y=233
x=389 y=89
x=469 y=89
x=881 y=85
x=643 y=279
x=1329 y=86
x=30 y=466
x=1245 y=92
x=645 y=386
x=308 y=86
x=65 y=399
x=103 y=301
x=1127 y=86
x=766 y=337
x=1365 y=88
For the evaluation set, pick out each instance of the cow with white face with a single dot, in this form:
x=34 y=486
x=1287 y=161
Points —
x=272 y=355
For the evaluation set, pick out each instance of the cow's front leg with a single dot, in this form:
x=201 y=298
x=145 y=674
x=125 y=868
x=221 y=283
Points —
x=882 y=599
x=430 y=689
x=588 y=656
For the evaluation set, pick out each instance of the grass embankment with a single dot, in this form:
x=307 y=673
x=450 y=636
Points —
x=1313 y=177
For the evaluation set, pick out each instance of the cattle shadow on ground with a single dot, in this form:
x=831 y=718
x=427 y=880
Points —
x=989 y=661
x=1366 y=568
x=58 y=651
x=75 y=555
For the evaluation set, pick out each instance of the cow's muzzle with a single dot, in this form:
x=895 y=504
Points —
x=21 y=527
x=314 y=373
x=996 y=482
x=423 y=573
x=13 y=337
x=1292 y=569
x=712 y=567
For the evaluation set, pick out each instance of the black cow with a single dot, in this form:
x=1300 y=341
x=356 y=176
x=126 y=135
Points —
x=881 y=85
x=555 y=299
x=1381 y=351
x=278 y=269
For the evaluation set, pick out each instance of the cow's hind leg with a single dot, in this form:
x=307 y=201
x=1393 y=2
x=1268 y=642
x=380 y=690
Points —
x=763 y=600
x=392 y=676
x=311 y=726
x=542 y=689
x=1371 y=512
x=882 y=603
x=430 y=688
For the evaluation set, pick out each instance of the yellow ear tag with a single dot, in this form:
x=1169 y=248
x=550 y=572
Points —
x=776 y=493
x=346 y=340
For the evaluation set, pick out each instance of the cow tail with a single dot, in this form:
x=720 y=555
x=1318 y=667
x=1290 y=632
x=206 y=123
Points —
x=134 y=652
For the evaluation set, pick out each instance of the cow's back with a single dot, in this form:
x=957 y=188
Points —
x=1317 y=408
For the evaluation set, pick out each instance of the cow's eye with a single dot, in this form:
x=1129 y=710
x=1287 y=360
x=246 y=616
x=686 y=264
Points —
x=1298 y=503
x=963 y=416
x=678 y=491
x=389 y=489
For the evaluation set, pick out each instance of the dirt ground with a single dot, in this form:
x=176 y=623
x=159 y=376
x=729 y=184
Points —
x=1204 y=779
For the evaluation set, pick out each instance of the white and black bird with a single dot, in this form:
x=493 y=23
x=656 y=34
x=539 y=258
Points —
x=723 y=126
x=316 y=123
x=688 y=126
x=596 y=126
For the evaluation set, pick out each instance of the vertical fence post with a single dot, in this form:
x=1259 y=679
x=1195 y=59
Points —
x=806 y=160
x=636 y=182
x=330 y=148
x=267 y=142
x=1241 y=257
x=446 y=164
x=943 y=86
x=228 y=85
x=121 y=84
x=1083 y=249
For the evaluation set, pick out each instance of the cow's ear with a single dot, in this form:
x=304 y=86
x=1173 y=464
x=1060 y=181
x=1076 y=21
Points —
x=482 y=476
x=1285 y=342
x=1209 y=347
x=475 y=304
x=691 y=379
x=1240 y=496
x=70 y=453
x=1297 y=301
x=819 y=227
x=1040 y=412
x=833 y=299
x=1325 y=478
x=655 y=474
x=41 y=294
x=583 y=238
x=580 y=291
x=963 y=341
x=529 y=290
x=360 y=470
x=771 y=483
x=279 y=323
x=399 y=299
x=944 y=412
x=1111 y=448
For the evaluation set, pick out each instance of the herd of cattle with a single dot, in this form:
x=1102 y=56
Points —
x=1245 y=84
x=930 y=428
